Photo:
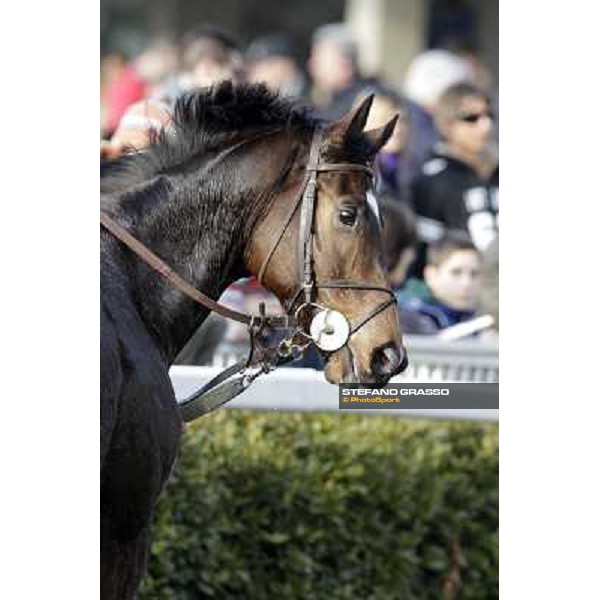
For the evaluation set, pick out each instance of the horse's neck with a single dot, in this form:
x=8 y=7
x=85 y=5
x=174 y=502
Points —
x=192 y=235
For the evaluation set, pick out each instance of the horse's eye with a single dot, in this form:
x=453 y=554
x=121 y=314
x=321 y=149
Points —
x=348 y=216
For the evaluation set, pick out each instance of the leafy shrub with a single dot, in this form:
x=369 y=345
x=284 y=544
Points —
x=304 y=506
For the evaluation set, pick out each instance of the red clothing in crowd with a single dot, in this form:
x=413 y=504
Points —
x=127 y=89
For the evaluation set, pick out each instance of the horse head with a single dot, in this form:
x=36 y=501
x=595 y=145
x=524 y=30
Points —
x=339 y=272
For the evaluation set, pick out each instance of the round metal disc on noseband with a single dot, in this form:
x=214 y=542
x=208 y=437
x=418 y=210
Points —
x=330 y=330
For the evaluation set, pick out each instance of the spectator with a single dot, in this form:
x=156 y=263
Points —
x=210 y=54
x=133 y=132
x=127 y=88
x=428 y=76
x=271 y=60
x=111 y=67
x=398 y=239
x=450 y=291
x=158 y=64
x=482 y=78
x=136 y=80
x=333 y=67
x=458 y=185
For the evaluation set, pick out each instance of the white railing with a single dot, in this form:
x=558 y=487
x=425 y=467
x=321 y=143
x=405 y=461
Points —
x=430 y=359
x=301 y=390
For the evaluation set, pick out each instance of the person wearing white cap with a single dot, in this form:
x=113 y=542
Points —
x=429 y=75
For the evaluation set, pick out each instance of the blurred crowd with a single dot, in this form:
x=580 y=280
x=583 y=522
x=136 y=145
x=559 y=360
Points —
x=437 y=176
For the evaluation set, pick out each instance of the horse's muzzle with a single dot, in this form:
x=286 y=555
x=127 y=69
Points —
x=388 y=361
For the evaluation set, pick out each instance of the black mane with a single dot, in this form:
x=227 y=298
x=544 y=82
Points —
x=225 y=110
x=203 y=122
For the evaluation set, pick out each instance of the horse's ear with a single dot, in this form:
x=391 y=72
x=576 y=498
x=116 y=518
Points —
x=353 y=122
x=379 y=137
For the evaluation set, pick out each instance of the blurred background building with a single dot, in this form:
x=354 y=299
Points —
x=389 y=32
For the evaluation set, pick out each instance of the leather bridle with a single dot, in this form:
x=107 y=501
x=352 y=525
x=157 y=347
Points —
x=263 y=359
x=305 y=198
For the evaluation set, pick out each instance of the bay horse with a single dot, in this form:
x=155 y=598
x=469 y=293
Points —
x=210 y=196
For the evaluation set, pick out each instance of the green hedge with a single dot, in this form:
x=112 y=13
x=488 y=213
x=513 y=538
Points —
x=294 y=506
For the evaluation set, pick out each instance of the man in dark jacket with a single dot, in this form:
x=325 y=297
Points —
x=458 y=185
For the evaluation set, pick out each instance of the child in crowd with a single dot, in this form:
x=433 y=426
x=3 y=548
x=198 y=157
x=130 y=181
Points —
x=450 y=291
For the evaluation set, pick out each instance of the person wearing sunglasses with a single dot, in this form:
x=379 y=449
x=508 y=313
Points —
x=457 y=188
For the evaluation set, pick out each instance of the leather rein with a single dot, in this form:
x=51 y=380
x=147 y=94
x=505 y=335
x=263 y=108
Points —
x=333 y=330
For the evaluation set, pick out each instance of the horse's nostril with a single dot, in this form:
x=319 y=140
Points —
x=390 y=356
x=388 y=361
